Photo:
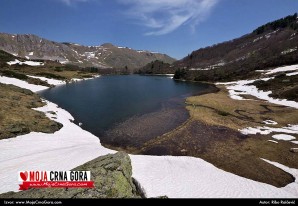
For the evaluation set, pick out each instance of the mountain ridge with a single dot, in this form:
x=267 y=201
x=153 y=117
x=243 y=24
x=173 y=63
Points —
x=107 y=55
x=270 y=45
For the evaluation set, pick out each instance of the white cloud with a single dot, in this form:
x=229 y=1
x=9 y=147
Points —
x=165 y=16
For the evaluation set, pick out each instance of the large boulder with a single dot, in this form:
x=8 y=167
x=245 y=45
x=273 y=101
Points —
x=110 y=173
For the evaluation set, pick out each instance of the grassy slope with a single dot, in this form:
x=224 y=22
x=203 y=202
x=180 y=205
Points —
x=17 y=116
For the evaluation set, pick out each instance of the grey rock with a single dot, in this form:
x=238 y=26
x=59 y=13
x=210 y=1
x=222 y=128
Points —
x=111 y=175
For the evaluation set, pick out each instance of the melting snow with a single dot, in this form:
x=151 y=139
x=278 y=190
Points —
x=164 y=175
x=289 y=51
x=283 y=137
x=31 y=53
x=242 y=87
x=270 y=122
x=290 y=187
x=292 y=74
x=283 y=69
x=64 y=62
x=257 y=39
x=49 y=81
x=90 y=55
x=22 y=84
x=30 y=63
x=273 y=141
x=290 y=129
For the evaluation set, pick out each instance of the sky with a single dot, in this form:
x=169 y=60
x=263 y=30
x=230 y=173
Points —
x=173 y=27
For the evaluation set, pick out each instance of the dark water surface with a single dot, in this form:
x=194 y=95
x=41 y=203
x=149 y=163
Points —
x=102 y=104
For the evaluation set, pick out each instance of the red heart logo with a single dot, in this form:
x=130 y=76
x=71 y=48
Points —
x=24 y=175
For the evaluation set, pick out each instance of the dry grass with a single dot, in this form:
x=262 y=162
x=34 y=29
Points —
x=219 y=109
x=17 y=116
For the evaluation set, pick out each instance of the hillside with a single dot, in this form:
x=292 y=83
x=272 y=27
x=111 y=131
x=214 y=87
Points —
x=104 y=56
x=157 y=67
x=271 y=45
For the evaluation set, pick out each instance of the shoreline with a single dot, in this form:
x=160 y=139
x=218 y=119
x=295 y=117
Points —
x=182 y=180
x=132 y=134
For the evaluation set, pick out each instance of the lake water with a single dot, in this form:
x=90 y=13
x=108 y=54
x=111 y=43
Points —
x=102 y=104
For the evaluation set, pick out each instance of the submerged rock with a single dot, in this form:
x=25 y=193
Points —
x=111 y=175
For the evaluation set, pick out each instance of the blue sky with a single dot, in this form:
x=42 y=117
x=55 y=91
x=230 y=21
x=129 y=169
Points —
x=174 y=27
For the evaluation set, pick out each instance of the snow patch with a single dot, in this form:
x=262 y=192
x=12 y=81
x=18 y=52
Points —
x=64 y=61
x=242 y=87
x=283 y=69
x=90 y=55
x=295 y=142
x=288 y=51
x=30 y=63
x=290 y=129
x=271 y=122
x=22 y=84
x=31 y=53
x=294 y=172
x=273 y=141
x=47 y=151
x=75 y=52
x=49 y=81
x=292 y=74
x=283 y=137
x=220 y=64
x=189 y=177
x=257 y=39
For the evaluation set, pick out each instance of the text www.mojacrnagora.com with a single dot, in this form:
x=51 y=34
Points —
x=31 y=202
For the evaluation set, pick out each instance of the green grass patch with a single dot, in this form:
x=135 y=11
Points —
x=13 y=74
x=51 y=76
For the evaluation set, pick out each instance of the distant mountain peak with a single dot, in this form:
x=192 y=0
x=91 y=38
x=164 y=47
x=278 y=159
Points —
x=107 y=55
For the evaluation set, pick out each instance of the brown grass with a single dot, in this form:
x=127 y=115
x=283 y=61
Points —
x=212 y=134
x=210 y=108
x=17 y=116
